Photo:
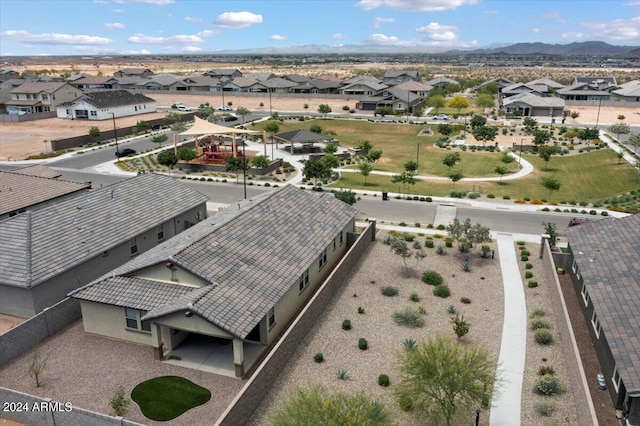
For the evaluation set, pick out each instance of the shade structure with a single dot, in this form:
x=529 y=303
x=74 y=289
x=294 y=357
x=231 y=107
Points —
x=203 y=127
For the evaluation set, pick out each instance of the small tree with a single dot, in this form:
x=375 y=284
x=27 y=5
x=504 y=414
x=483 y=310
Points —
x=478 y=121
x=445 y=129
x=459 y=103
x=411 y=167
x=331 y=161
x=506 y=158
x=451 y=159
x=119 y=403
x=167 y=158
x=374 y=155
x=551 y=229
x=436 y=102
x=545 y=153
x=186 y=154
x=234 y=164
x=501 y=170
x=404 y=179
x=37 y=365
x=399 y=247
x=384 y=110
x=530 y=125
x=330 y=148
x=272 y=127
x=619 y=129
x=176 y=123
x=588 y=134
x=94 y=132
x=541 y=137
x=160 y=139
x=467 y=234
x=347 y=196
x=574 y=115
x=365 y=169
x=365 y=146
x=316 y=170
x=552 y=183
x=142 y=125
x=243 y=112
x=261 y=162
x=324 y=109
x=634 y=141
x=485 y=101
x=484 y=133
x=455 y=176
x=460 y=326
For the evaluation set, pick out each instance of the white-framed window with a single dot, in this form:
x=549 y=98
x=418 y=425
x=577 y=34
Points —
x=45 y=97
x=585 y=294
x=322 y=259
x=595 y=322
x=334 y=243
x=304 y=280
x=134 y=321
x=46 y=108
x=133 y=246
x=271 y=318
x=160 y=232
x=341 y=237
x=94 y=113
x=574 y=266
x=616 y=379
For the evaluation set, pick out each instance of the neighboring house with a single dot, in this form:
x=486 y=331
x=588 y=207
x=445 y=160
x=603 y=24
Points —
x=531 y=105
x=278 y=85
x=198 y=83
x=8 y=73
x=126 y=82
x=397 y=99
x=107 y=105
x=160 y=82
x=518 y=88
x=239 y=277
x=441 y=82
x=605 y=273
x=602 y=83
x=92 y=82
x=551 y=84
x=396 y=77
x=584 y=92
x=420 y=89
x=243 y=84
x=362 y=85
x=317 y=85
x=628 y=92
x=133 y=72
x=501 y=82
x=50 y=251
x=261 y=76
x=224 y=73
x=35 y=96
x=34 y=187
x=296 y=78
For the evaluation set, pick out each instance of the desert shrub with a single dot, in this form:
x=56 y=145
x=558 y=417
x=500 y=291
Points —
x=528 y=266
x=465 y=300
x=318 y=357
x=360 y=310
x=422 y=310
x=406 y=403
x=547 y=385
x=408 y=317
x=452 y=309
x=409 y=343
x=448 y=243
x=408 y=237
x=532 y=284
x=428 y=243
x=466 y=266
x=431 y=277
x=524 y=258
x=386 y=240
x=441 y=291
x=343 y=374
x=383 y=380
x=417 y=245
x=544 y=336
x=539 y=323
x=546 y=370
x=536 y=313
x=440 y=250
x=521 y=243
x=545 y=407
x=389 y=291
x=414 y=297
x=346 y=324
x=525 y=253
x=363 y=344
x=528 y=274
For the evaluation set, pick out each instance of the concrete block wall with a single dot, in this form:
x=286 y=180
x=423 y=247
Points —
x=53 y=414
x=47 y=323
x=241 y=409
x=584 y=403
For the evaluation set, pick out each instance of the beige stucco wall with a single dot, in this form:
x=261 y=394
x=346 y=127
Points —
x=162 y=273
x=193 y=323
x=108 y=320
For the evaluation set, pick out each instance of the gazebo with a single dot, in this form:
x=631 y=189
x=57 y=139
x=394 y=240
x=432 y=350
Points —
x=302 y=136
x=215 y=153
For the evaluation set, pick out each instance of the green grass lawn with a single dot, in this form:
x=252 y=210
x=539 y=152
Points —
x=165 y=398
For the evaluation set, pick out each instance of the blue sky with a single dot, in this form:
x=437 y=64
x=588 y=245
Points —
x=87 y=27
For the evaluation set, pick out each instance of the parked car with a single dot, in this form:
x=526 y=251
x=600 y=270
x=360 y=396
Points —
x=441 y=117
x=578 y=221
x=230 y=118
x=602 y=385
x=224 y=108
x=182 y=107
x=123 y=152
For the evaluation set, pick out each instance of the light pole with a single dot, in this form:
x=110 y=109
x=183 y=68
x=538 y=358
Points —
x=244 y=169
x=418 y=154
x=270 y=113
x=598 y=116
x=222 y=97
x=115 y=134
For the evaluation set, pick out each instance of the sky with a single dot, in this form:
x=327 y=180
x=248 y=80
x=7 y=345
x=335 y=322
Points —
x=113 y=27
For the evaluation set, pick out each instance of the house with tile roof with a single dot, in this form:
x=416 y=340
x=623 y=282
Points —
x=605 y=271
x=33 y=187
x=396 y=76
x=441 y=82
x=362 y=85
x=47 y=252
x=628 y=92
x=38 y=96
x=133 y=72
x=584 y=92
x=531 y=105
x=106 y=105
x=237 y=278
x=399 y=100
x=224 y=73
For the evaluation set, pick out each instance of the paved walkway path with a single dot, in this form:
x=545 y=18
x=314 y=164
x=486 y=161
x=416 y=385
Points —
x=505 y=406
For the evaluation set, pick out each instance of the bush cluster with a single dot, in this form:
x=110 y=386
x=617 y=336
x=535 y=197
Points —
x=318 y=357
x=441 y=291
x=548 y=385
x=363 y=344
x=408 y=317
x=383 y=380
x=543 y=336
x=432 y=277
x=389 y=291
x=346 y=324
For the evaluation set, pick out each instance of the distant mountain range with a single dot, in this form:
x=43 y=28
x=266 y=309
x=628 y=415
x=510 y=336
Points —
x=586 y=48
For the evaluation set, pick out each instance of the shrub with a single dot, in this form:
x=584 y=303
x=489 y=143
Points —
x=414 y=297
x=539 y=323
x=431 y=277
x=408 y=237
x=387 y=240
x=343 y=374
x=546 y=370
x=532 y=284
x=441 y=291
x=536 y=313
x=346 y=324
x=360 y=310
x=389 y=291
x=543 y=336
x=318 y=357
x=506 y=197
x=441 y=227
x=465 y=300
x=491 y=196
x=466 y=266
x=528 y=274
x=422 y=310
x=545 y=407
x=528 y=266
x=428 y=243
x=521 y=243
x=452 y=309
x=409 y=343
x=440 y=250
x=448 y=243
x=525 y=253
x=406 y=403
x=524 y=258
x=408 y=317
x=363 y=344
x=547 y=385
x=383 y=380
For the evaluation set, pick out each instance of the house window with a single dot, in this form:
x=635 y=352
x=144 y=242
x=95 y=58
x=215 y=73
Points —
x=133 y=245
x=585 y=294
x=323 y=259
x=135 y=108
x=94 y=113
x=595 y=322
x=272 y=317
x=68 y=111
x=574 y=266
x=341 y=237
x=616 y=379
x=134 y=321
x=53 y=97
x=304 y=280
x=334 y=243
x=46 y=108
x=160 y=231
x=45 y=97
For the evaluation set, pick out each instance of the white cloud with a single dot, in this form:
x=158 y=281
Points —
x=114 y=26
x=176 y=39
x=441 y=39
x=632 y=3
x=277 y=37
x=191 y=49
x=615 y=30
x=117 y=11
x=380 y=20
x=191 y=19
x=237 y=19
x=536 y=30
x=158 y=2
x=572 y=35
x=415 y=5
x=55 y=38
x=439 y=33
x=136 y=52
x=383 y=39
x=338 y=36
x=206 y=33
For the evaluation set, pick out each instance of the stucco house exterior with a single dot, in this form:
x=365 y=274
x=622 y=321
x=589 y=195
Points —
x=605 y=272
x=238 y=277
x=396 y=77
x=584 y=92
x=133 y=72
x=107 y=105
x=38 y=96
x=628 y=92
x=531 y=105
x=47 y=252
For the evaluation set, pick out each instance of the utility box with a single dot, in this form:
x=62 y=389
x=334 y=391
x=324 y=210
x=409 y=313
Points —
x=385 y=196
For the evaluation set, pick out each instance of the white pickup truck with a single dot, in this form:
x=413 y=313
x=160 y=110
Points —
x=182 y=107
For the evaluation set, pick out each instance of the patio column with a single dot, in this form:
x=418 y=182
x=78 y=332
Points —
x=238 y=357
x=233 y=135
x=156 y=338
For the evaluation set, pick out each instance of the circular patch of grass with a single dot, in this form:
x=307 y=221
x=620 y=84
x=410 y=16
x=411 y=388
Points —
x=165 y=398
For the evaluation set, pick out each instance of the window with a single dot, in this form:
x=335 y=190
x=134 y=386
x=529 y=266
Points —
x=304 y=280
x=160 y=231
x=68 y=111
x=595 y=322
x=45 y=97
x=46 y=108
x=134 y=321
x=323 y=259
x=133 y=245
x=135 y=108
x=341 y=237
x=616 y=379
x=272 y=317
x=334 y=243
x=585 y=295
x=94 y=113
x=53 y=97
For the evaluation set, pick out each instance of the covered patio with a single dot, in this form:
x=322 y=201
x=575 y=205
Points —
x=304 y=140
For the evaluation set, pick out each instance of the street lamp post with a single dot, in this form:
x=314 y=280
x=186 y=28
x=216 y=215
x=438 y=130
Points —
x=244 y=168
x=418 y=154
x=270 y=113
x=115 y=134
x=598 y=116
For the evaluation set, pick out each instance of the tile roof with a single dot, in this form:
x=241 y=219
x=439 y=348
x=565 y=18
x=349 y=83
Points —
x=535 y=101
x=395 y=73
x=35 y=246
x=414 y=86
x=22 y=190
x=250 y=254
x=546 y=82
x=440 y=80
x=606 y=252
x=113 y=98
x=302 y=136
x=38 y=170
x=39 y=87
